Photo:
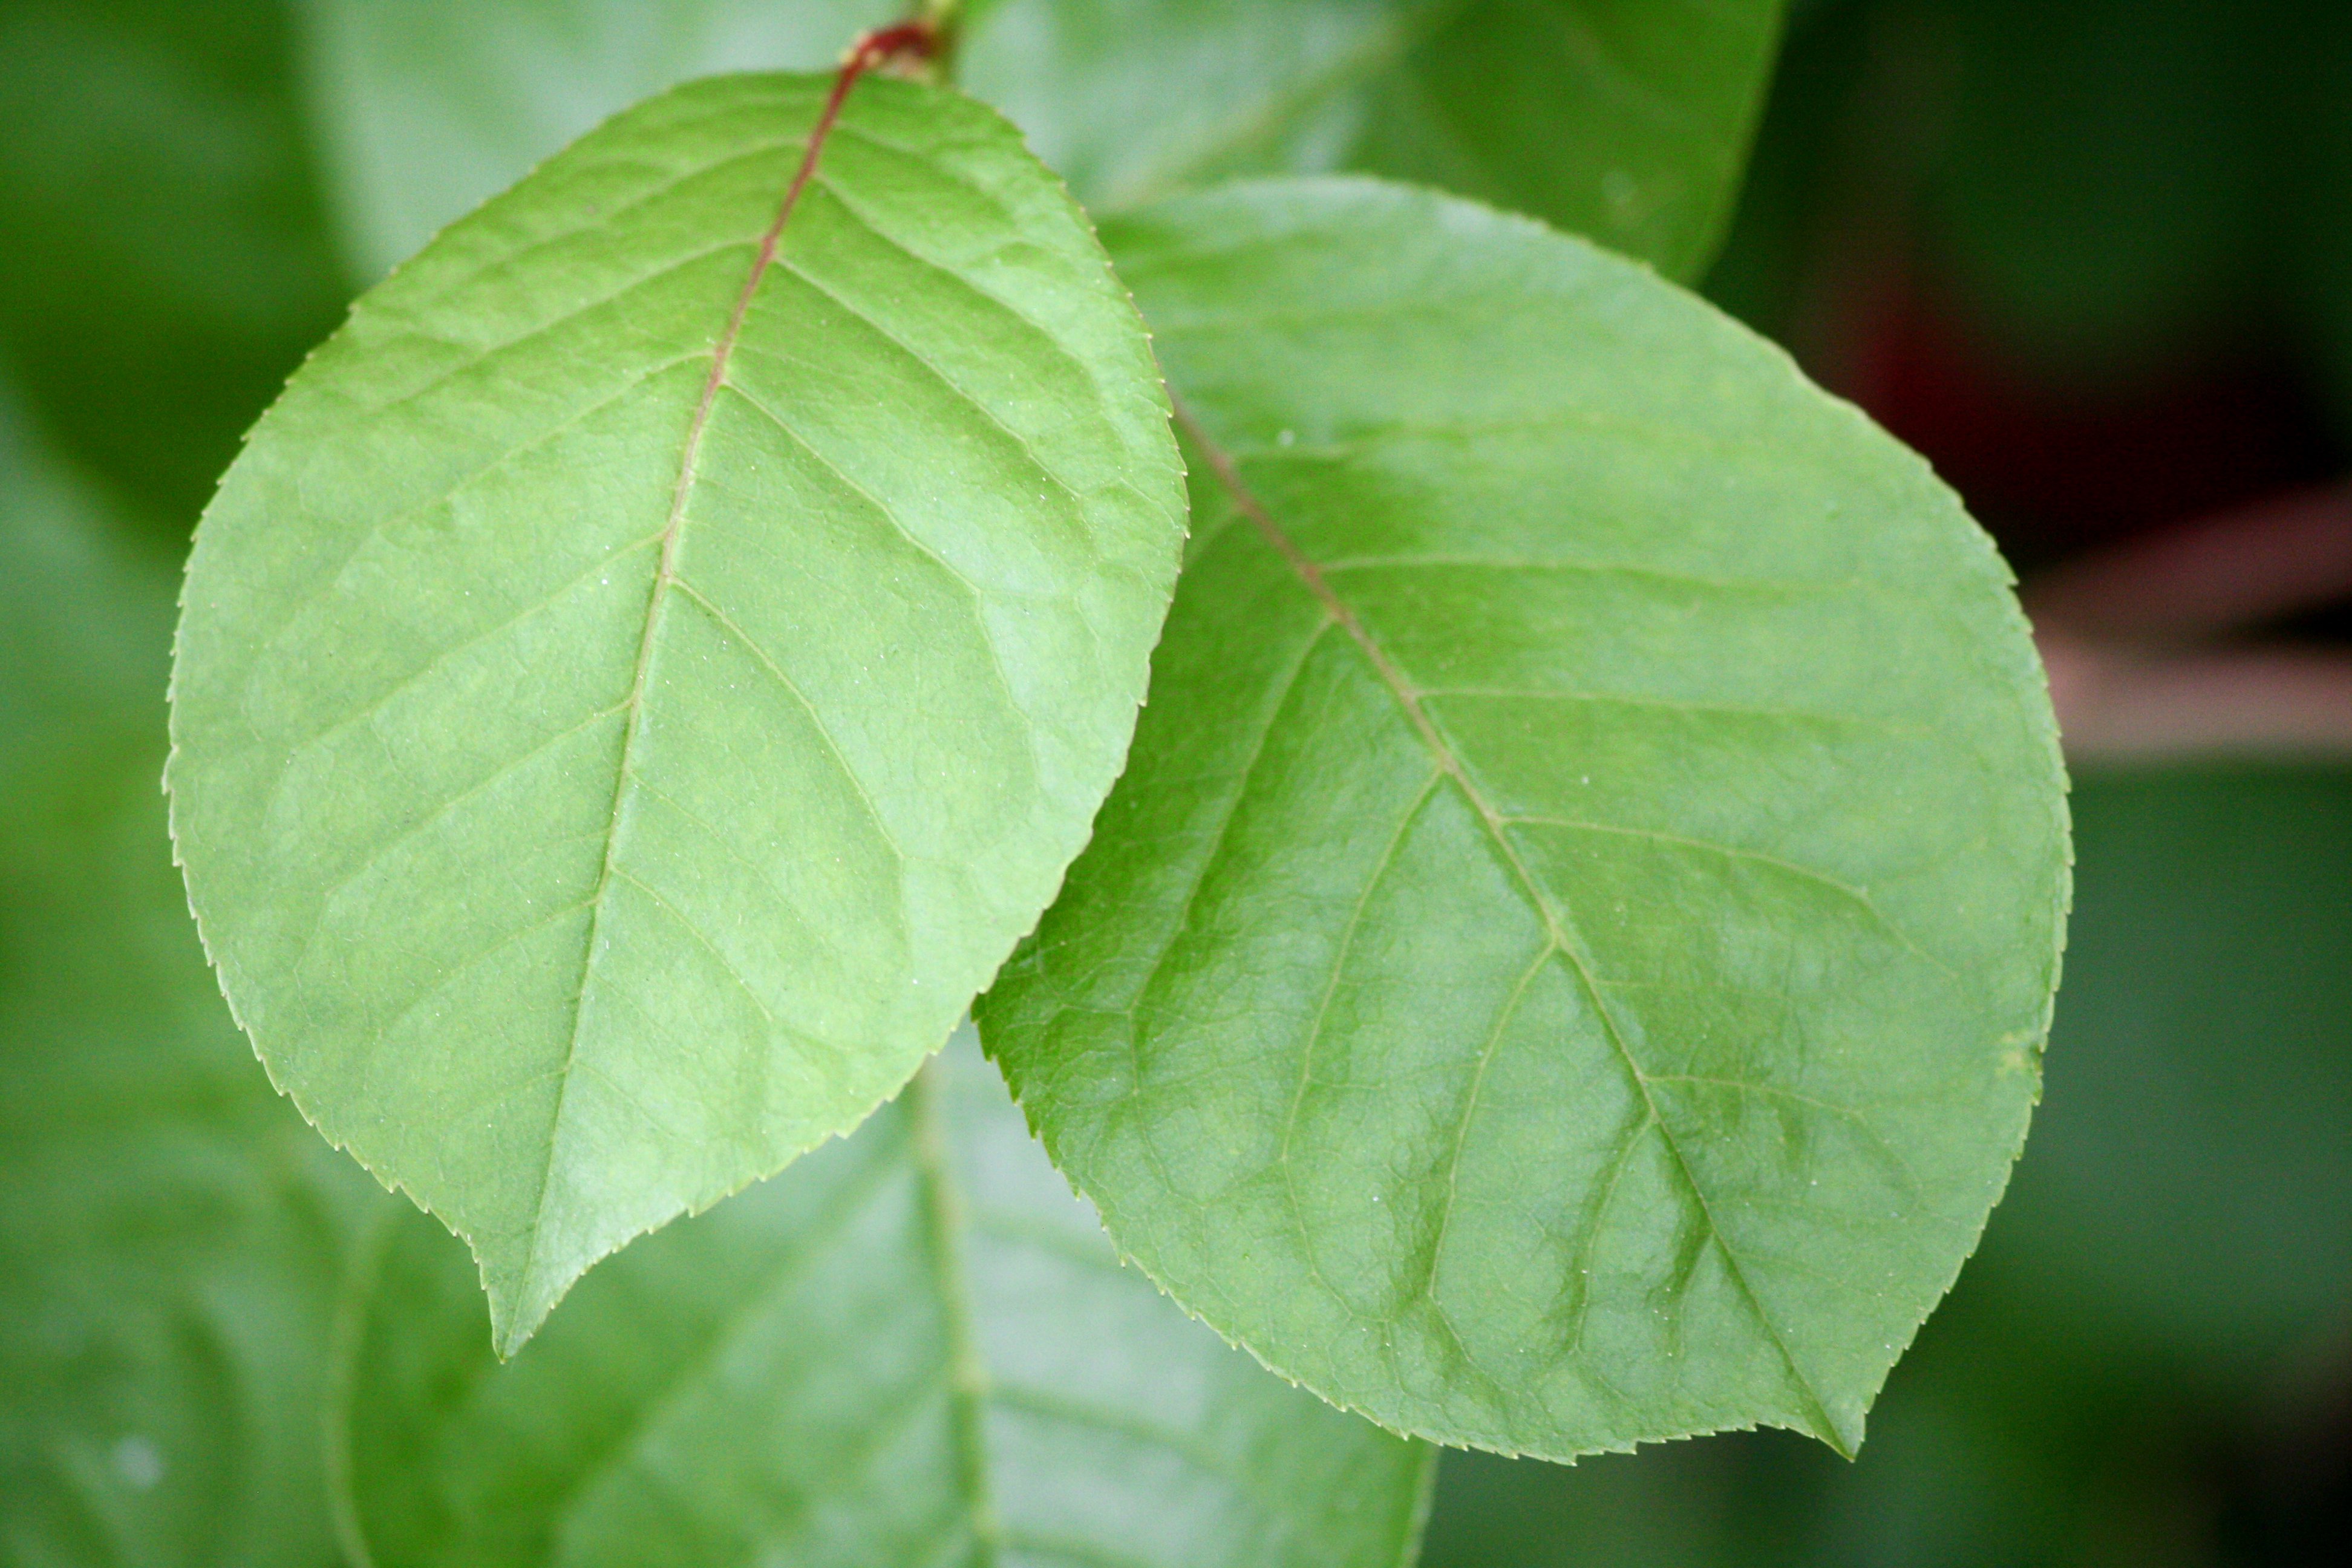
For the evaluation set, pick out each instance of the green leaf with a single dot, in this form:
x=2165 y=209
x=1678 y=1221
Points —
x=428 y=108
x=1628 y=121
x=2177 y=1241
x=171 y=1234
x=632 y=694
x=1567 y=961
x=913 y=1349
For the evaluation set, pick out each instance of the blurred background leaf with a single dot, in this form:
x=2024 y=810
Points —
x=428 y=108
x=164 y=255
x=173 y=1234
x=1625 y=119
x=914 y=1348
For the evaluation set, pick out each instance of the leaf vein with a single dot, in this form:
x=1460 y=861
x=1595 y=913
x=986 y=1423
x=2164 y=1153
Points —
x=375 y=705
x=760 y=656
x=979 y=598
x=1845 y=890
x=969 y=1384
x=971 y=400
x=1409 y=700
x=673 y=534
x=694 y=929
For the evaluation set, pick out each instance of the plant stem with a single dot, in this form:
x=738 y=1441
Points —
x=917 y=40
x=941 y=17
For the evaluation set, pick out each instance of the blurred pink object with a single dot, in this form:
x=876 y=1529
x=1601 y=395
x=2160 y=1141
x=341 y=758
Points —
x=2128 y=636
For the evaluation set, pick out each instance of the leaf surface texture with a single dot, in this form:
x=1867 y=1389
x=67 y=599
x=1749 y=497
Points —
x=915 y=1348
x=1568 y=962
x=658 y=659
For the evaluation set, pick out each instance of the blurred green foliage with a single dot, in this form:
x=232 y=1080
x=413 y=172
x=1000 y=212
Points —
x=2134 y=1370
x=172 y=1235
x=429 y=107
x=165 y=258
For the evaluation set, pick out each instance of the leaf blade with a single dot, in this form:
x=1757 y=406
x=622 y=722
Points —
x=441 y=720
x=933 y=1352
x=1627 y=123
x=1592 y=765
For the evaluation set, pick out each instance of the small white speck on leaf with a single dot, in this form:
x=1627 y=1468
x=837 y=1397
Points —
x=137 y=1462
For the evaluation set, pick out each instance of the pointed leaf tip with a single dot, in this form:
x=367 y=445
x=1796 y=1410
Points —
x=641 y=679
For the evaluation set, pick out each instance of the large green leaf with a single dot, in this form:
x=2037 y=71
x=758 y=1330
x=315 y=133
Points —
x=1628 y=121
x=171 y=1234
x=1568 y=962
x=632 y=693
x=429 y=107
x=913 y=1349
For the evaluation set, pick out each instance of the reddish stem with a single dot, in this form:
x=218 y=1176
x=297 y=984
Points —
x=2208 y=579
x=919 y=39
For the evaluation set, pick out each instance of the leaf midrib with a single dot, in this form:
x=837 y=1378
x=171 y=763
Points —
x=1408 y=698
x=656 y=602
x=969 y=1384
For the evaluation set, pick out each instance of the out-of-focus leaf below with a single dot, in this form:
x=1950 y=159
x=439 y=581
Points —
x=913 y=1349
x=171 y=1234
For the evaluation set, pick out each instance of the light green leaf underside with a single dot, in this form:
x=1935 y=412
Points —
x=428 y=108
x=1568 y=962
x=170 y=1233
x=914 y=1349
x=1628 y=121
x=621 y=719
